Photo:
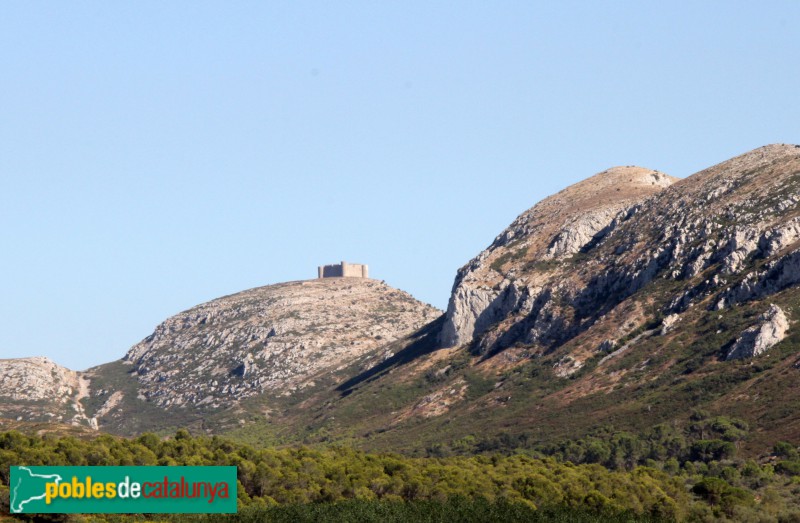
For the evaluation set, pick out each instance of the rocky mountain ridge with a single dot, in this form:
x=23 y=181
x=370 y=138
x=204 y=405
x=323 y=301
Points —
x=270 y=341
x=526 y=255
x=629 y=298
x=598 y=305
x=709 y=223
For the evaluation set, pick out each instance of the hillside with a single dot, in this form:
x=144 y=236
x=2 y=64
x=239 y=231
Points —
x=270 y=342
x=702 y=232
x=627 y=302
x=38 y=389
x=526 y=258
x=678 y=297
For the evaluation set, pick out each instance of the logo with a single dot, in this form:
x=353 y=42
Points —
x=122 y=490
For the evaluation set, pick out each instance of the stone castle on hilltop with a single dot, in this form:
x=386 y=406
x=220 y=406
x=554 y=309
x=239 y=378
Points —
x=343 y=270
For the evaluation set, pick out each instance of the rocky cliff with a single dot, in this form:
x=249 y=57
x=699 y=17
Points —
x=758 y=339
x=531 y=258
x=573 y=258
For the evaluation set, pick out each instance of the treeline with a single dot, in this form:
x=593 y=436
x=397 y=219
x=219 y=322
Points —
x=704 y=439
x=292 y=476
x=657 y=475
x=704 y=452
x=457 y=510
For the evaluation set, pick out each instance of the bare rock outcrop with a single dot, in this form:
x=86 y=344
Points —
x=512 y=274
x=758 y=339
x=39 y=389
x=37 y=378
x=728 y=234
x=272 y=339
x=669 y=323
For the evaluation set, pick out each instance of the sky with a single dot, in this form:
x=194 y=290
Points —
x=156 y=155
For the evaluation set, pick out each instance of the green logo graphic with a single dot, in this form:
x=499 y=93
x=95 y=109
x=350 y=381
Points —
x=122 y=490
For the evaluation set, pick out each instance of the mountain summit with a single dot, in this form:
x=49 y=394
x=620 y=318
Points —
x=273 y=339
x=267 y=342
x=528 y=253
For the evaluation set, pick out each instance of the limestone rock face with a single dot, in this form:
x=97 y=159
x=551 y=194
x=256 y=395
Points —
x=758 y=339
x=272 y=339
x=729 y=234
x=511 y=274
x=669 y=324
x=39 y=389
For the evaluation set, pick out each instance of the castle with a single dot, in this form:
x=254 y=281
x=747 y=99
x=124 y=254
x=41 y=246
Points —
x=343 y=270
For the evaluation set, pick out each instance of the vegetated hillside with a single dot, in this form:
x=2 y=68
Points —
x=672 y=301
x=268 y=343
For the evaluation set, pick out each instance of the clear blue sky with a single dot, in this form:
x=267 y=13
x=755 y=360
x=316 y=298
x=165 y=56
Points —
x=156 y=155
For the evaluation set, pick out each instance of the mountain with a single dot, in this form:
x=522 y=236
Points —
x=626 y=301
x=566 y=265
x=269 y=342
x=532 y=256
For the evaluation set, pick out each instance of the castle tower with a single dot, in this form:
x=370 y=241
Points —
x=343 y=270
